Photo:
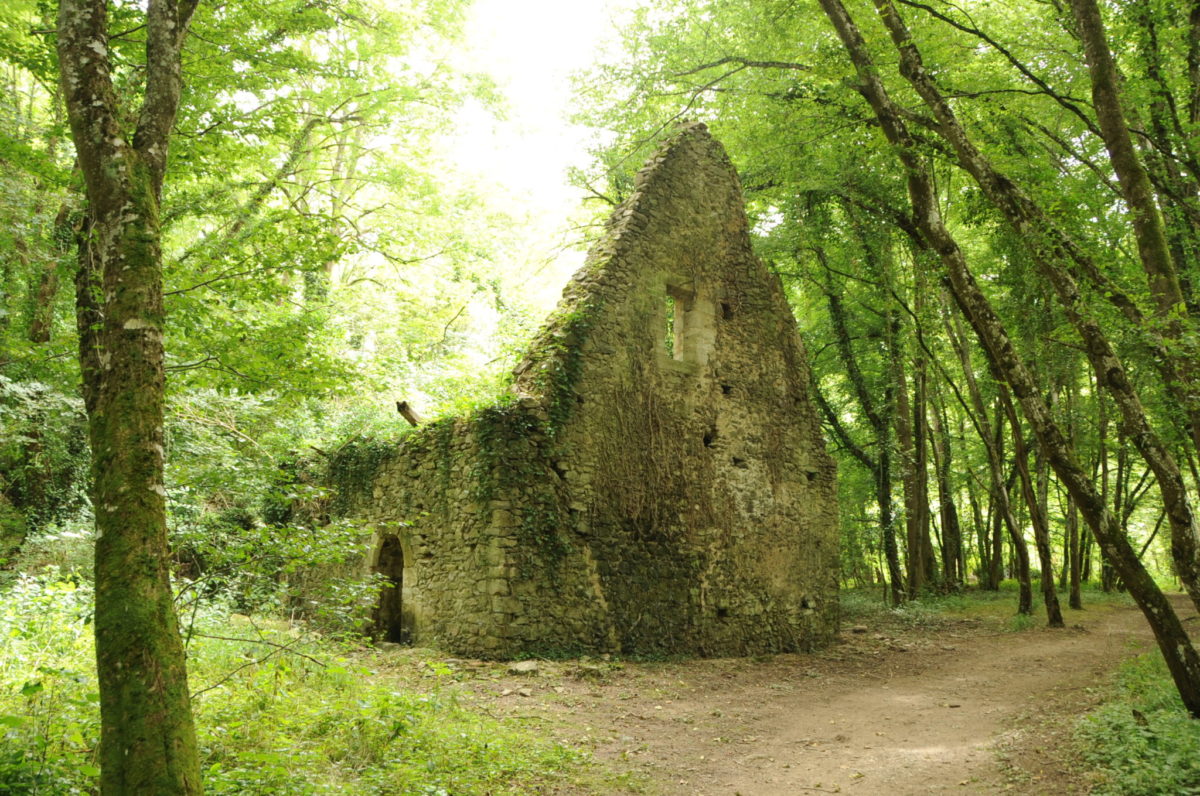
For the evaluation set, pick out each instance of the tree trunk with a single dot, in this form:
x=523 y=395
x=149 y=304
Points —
x=1148 y=228
x=996 y=542
x=993 y=442
x=1075 y=600
x=41 y=320
x=910 y=438
x=952 y=554
x=147 y=739
x=880 y=421
x=981 y=524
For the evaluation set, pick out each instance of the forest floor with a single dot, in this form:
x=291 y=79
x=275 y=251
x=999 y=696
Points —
x=904 y=703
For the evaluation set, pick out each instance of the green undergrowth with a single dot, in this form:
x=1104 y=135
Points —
x=996 y=608
x=1142 y=740
x=277 y=711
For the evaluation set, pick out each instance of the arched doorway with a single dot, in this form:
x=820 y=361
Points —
x=389 y=622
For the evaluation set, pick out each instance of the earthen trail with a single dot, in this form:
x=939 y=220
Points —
x=884 y=712
x=932 y=728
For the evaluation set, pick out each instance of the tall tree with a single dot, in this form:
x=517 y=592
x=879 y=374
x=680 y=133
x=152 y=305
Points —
x=148 y=741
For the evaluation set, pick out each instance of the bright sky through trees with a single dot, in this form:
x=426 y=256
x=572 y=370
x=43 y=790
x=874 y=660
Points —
x=530 y=48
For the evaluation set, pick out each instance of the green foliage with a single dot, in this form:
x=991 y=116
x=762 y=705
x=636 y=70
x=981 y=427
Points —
x=512 y=440
x=353 y=466
x=278 y=712
x=48 y=694
x=562 y=362
x=43 y=453
x=1142 y=741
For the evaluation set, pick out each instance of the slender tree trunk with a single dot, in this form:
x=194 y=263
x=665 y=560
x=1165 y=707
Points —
x=880 y=465
x=929 y=570
x=1148 y=227
x=41 y=319
x=1054 y=615
x=992 y=436
x=981 y=524
x=952 y=558
x=996 y=573
x=911 y=435
x=1075 y=600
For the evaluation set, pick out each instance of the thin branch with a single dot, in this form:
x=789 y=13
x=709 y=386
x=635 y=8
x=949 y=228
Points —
x=1070 y=103
x=737 y=59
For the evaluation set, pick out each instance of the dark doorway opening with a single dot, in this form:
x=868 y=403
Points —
x=389 y=622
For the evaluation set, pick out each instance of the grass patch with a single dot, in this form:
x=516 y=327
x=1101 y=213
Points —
x=1142 y=741
x=276 y=711
x=998 y=608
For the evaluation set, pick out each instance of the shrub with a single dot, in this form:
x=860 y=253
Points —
x=1142 y=740
x=277 y=711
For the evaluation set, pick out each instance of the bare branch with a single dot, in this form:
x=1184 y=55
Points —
x=736 y=59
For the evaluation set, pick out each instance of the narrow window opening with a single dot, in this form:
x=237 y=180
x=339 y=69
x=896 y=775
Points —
x=726 y=389
x=722 y=613
x=739 y=462
x=710 y=437
x=726 y=311
x=681 y=324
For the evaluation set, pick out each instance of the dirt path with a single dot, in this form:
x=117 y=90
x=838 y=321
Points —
x=889 y=710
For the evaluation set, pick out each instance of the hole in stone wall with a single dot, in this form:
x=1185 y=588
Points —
x=726 y=389
x=722 y=613
x=739 y=463
x=389 y=623
x=806 y=604
x=559 y=469
x=812 y=475
x=726 y=311
x=710 y=437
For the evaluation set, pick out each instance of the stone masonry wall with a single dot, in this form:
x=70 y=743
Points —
x=657 y=482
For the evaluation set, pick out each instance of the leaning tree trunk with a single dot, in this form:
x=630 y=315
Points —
x=1173 y=641
x=1037 y=516
x=993 y=443
x=1149 y=230
x=147 y=739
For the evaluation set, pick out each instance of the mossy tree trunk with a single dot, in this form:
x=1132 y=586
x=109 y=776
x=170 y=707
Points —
x=148 y=742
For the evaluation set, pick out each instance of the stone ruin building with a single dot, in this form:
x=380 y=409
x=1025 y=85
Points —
x=656 y=483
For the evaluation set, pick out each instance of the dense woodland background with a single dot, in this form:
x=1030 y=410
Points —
x=987 y=219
